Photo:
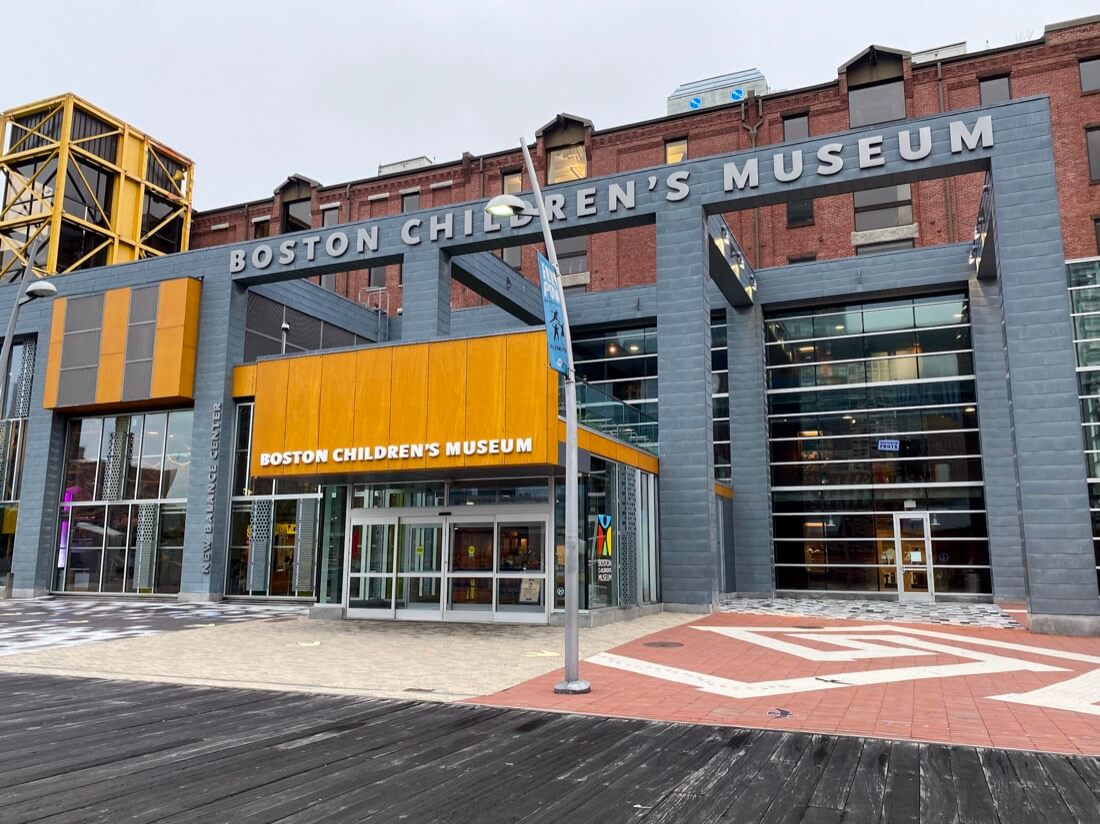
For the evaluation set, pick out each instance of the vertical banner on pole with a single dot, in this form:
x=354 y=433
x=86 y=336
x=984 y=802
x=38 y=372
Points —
x=551 y=305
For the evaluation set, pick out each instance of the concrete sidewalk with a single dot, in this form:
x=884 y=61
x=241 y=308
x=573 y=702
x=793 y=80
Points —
x=428 y=661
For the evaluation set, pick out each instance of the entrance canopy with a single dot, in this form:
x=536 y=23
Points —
x=436 y=407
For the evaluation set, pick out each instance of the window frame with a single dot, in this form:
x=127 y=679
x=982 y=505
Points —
x=1093 y=161
x=992 y=78
x=671 y=142
x=898 y=81
x=884 y=206
x=515 y=175
x=406 y=198
x=795 y=117
x=557 y=151
x=1081 y=74
x=799 y=223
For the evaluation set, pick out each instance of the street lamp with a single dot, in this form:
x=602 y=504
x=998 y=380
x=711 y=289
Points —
x=30 y=288
x=511 y=206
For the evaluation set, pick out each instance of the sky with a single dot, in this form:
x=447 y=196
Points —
x=255 y=91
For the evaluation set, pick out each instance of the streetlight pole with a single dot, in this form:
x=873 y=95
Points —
x=572 y=684
x=506 y=205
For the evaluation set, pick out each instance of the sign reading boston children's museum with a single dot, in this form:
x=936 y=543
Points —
x=398 y=452
x=618 y=194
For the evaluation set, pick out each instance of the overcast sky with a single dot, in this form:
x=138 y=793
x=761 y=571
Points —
x=254 y=91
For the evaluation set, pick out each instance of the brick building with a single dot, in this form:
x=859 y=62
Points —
x=1059 y=64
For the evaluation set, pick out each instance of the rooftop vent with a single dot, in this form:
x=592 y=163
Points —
x=404 y=165
x=939 y=53
x=717 y=91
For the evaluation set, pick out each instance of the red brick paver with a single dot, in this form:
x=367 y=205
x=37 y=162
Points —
x=927 y=704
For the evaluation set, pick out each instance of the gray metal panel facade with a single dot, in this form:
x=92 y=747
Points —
x=1038 y=516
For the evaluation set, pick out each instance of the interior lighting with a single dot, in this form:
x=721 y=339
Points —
x=634 y=347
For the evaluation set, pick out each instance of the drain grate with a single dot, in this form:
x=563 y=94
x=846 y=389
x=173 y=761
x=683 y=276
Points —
x=663 y=644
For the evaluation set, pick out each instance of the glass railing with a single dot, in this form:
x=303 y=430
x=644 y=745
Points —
x=611 y=416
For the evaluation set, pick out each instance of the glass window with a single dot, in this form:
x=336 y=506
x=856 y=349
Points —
x=377 y=276
x=572 y=255
x=796 y=127
x=676 y=151
x=885 y=246
x=297 y=215
x=375 y=496
x=82 y=459
x=1090 y=74
x=261 y=229
x=800 y=213
x=883 y=208
x=152 y=456
x=330 y=216
x=1096 y=232
x=994 y=90
x=1092 y=139
x=876 y=104
x=521 y=546
x=410 y=201
x=566 y=164
x=511 y=183
x=177 y=455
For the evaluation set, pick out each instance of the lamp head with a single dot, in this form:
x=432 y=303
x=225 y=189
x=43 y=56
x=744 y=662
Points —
x=505 y=206
x=41 y=288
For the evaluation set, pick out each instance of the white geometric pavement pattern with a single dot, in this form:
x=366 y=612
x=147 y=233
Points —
x=34 y=625
x=954 y=613
x=1077 y=694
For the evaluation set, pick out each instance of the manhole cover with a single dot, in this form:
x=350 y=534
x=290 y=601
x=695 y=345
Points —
x=663 y=644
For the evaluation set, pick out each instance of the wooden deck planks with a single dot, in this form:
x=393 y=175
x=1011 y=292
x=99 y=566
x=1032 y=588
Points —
x=76 y=750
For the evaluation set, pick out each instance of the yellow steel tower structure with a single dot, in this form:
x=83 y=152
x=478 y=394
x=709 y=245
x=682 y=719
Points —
x=99 y=190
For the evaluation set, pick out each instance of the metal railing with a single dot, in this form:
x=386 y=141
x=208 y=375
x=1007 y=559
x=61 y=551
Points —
x=613 y=417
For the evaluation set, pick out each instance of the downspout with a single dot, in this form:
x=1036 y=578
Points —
x=948 y=199
x=752 y=143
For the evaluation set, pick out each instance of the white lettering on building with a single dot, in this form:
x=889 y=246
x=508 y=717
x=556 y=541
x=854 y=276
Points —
x=398 y=452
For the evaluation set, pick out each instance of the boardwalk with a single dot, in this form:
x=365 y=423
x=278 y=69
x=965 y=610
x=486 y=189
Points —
x=83 y=751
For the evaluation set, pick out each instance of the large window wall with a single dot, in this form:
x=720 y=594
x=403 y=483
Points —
x=872 y=411
x=123 y=505
x=623 y=365
x=1084 y=290
x=273 y=528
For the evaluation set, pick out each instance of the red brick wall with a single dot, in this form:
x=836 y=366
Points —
x=944 y=210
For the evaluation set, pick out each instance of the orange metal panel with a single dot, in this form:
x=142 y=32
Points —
x=337 y=426
x=723 y=491
x=176 y=339
x=269 y=416
x=53 y=364
x=485 y=396
x=525 y=396
x=446 y=398
x=244 y=381
x=167 y=363
x=112 y=346
x=303 y=406
x=409 y=399
x=373 y=377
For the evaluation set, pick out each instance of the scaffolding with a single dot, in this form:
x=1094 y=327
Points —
x=95 y=188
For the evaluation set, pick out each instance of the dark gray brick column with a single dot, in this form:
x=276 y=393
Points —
x=221 y=345
x=689 y=545
x=33 y=560
x=1054 y=505
x=426 y=301
x=752 y=505
x=1002 y=489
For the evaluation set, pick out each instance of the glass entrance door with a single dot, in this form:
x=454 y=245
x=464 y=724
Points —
x=370 y=568
x=467 y=568
x=420 y=555
x=913 y=555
